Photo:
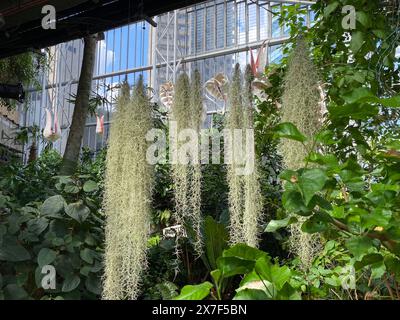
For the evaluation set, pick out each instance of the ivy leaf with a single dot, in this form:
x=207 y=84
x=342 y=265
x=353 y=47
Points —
x=251 y=294
x=11 y=250
x=71 y=188
x=363 y=18
x=357 y=94
x=359 y=246
x=46 y=256
x=272 y=272
x=274 y=225
x=78 y=211
x=293 y=202
x=310 y=182
x=314 y=225
x=196 y=292
x=330 y=8
x=88 y=255
x=52 y=206
x=289 y=131
x=357 y=41
x=93 y=284
x=71 y=282
x=90 y=186
x=37 y=226
x=239 y=259
x=368 y=260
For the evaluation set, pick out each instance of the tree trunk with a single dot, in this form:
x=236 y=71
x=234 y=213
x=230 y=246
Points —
x=73 y=147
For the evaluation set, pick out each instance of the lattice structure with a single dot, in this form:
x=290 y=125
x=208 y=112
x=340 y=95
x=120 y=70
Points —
x=211 y=37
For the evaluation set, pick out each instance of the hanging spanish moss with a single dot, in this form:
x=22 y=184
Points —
x=253 y=203
x=127 y=198
x=196 y=107
x=187 y=111
x=245 y=201
x=301 y=106
x=180 y=115
x=235 y=181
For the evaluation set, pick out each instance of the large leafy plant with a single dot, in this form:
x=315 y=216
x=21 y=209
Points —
x=64 y=231
x=261 y=278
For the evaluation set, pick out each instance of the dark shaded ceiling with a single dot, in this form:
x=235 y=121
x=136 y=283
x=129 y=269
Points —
x=22 y=28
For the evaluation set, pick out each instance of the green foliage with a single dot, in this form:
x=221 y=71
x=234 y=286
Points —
x=128 y=217
x=197 y=292
x=262 y=279
x=37 y=233
x=244 y=196
x=23 y=68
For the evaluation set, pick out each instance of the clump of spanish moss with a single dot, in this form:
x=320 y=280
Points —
x=127 y=198
x=301 y=106
x=196 y=108
x=187 y=110
x=235 y=181
x=253 y=203
x=245 y=201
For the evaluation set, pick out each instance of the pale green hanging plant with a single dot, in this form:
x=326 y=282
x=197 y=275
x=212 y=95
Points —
x=253 y=203
x=187 y=112
x=301 y=105
x=127 y=198
x=235 y=181
x=245 y=199
x=196 y=109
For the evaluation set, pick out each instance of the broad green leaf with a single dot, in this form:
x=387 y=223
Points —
x=377 y=218
x=93 y=284
x=216 y=275
x=311 y=181
x=71 y=283
x=251 y=294
x=37 y=226
x=274 y=225
x=275 y=274
x=357 y=94
x=359 y=246
x=53 y=205
x=46 y=256
x=368 y=260
x=88 y=255
x=215 y=240
x=11 y=250
x=71 y=188
x=314 y=225
x=338 y=212
x=357 y=111
x=77 y=211
x=378 y=269
x=289 y=131
x=15 y=292
x=357 y=41
x=364 y=95
x=293 y=202
x=90 y=186
x=288 y=293
x=244 y=252
x=393 y=265
x=195 y=292
x=364 y=18
x=330 y=8
x=231 y=266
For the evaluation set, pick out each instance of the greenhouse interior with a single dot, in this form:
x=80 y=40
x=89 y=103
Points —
x=215 y=150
